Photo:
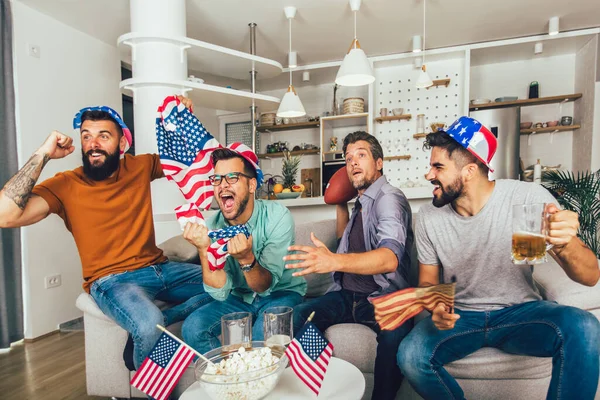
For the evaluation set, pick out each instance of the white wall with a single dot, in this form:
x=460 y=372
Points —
x=555 y=76
x=74 y=70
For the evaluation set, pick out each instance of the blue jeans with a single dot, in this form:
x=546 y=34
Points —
x=538 y=328
x=345 y=306
x=128 y=298
x=202 y=328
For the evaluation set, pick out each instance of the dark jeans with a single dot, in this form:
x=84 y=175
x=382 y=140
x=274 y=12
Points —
x=128 y=298
x=539 y=328
x=348 y=307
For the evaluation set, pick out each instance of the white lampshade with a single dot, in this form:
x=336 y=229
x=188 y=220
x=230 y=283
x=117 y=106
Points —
x=416 y=43
x=355 y=69
x=292 y=59
x=291 y=106
x=553 y=26
x=424 y=80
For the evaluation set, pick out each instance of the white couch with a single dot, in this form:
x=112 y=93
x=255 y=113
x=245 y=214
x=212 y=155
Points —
x=485 y=374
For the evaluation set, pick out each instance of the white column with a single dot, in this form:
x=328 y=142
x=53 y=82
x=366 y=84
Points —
x=157 y=60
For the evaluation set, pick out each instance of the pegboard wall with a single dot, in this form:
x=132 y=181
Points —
x=395 y=88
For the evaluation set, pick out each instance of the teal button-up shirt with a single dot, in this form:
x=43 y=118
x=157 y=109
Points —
x=272 y=228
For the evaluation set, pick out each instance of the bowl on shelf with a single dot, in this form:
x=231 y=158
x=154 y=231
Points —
x=477 y=102
x=551 y=123
x=526 y=125
x=288 y=195
x=397 y=111
x=251 y=385
x=506 y=98
x=566 y=120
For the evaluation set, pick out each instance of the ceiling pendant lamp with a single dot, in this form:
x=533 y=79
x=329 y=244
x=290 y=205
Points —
x=291 y=106
x=355 y=69
x=424 y=80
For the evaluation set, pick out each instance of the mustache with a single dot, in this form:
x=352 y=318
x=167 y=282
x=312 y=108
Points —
x=438 y=183
x=90 y=152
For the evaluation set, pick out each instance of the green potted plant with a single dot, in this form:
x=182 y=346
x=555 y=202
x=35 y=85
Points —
x=579 y=193
x=289 y=170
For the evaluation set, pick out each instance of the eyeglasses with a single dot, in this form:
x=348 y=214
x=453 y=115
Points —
x=231 y=178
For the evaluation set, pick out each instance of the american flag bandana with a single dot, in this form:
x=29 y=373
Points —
x=115 y=115
x=185 y=148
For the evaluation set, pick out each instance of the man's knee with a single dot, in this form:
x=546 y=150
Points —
x=412 y=356
x=195 y=326
x=583 y=327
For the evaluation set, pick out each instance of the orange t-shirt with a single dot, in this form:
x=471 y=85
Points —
x=110 y=220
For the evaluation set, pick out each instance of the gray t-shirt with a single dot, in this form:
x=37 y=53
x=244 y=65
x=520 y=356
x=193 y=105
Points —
x=477 y=250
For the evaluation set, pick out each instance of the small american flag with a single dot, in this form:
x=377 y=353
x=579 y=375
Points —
x=185 y=146
x=217 y=252
x=161 y=370
x=309 y=353
x=394 y=309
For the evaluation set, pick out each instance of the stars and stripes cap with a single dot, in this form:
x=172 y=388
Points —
x=114 y=115
x=476 y=138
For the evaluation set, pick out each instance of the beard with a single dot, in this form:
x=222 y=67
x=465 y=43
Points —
x=363 y=182
x=449 y=193
x=238 y=209
x=103 y=171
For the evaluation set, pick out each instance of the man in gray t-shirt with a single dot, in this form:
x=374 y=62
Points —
x=466 y=233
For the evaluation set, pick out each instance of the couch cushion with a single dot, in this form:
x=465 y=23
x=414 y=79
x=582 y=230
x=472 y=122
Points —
x=354 y=343
x=490 y=363
x=555 y=285
x=180 y=250
x=318 y=284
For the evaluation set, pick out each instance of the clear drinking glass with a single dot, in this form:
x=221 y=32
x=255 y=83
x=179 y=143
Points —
x=236 y=330
x=530 y=228
x=278 y=326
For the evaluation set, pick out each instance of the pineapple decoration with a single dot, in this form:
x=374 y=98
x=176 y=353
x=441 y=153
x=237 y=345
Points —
x=289 y=170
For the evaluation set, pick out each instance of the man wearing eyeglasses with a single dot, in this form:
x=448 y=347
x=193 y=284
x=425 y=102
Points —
x=254 y=277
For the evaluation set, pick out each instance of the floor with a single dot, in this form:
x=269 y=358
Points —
x=50 y=368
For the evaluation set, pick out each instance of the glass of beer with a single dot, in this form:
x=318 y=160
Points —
x=236 y=330
x=530 y=228
x=278 y=326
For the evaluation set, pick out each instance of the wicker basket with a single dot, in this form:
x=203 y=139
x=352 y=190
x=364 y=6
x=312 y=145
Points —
x=267 y=118
x=354 y=105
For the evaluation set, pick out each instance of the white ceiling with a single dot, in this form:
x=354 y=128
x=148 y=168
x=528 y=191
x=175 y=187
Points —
x=323 y=29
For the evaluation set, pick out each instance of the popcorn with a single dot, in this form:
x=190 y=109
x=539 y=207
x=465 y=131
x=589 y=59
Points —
x=244 y=375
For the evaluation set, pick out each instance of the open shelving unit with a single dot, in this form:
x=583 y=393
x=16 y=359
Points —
x=439 y=82
x=402 y=157
x=288 y=127
x=551 y=129
x=293 y=153
x=381 y=120
x=527 y=102
x=341 y=121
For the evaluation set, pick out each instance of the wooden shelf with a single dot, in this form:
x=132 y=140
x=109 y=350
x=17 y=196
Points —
x=527 y=102
x=333 y=152
x=420 y=135
x=551 y=129
x=208 y=96
x=210 y=58
x=404 y=157
x=340 y=121
x=294 y=153
x=288 y=127
x=393 y=118
x=439 y=82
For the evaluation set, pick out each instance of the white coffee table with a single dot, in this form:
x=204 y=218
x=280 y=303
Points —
x=343 y=381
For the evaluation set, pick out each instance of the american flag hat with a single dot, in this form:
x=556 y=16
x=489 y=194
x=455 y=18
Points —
x=476 y=138
x=115 y=115
x=249 y=156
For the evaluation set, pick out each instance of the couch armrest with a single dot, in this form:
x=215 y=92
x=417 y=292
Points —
x=555 y=285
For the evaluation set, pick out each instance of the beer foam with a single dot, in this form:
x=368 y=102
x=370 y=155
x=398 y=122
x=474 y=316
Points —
x=522 y=233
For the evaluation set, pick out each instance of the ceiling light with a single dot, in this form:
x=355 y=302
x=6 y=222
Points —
x=355 y=69
x=538 y=48
x=290 y=106
x=416 y=43
x=424 y=80
x=305 y=76
x=553 y=26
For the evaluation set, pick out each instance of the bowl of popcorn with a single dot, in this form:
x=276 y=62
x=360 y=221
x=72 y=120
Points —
x=248 y=373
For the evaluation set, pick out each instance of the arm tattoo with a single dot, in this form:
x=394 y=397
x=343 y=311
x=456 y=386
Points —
x=19 y=188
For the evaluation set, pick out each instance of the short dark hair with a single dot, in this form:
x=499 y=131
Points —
x=374 y=144
x=455 y=150
x=228 y=154
x=99 y=115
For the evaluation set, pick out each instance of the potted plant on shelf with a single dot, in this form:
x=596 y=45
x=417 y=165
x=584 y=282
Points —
x=579 y=193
